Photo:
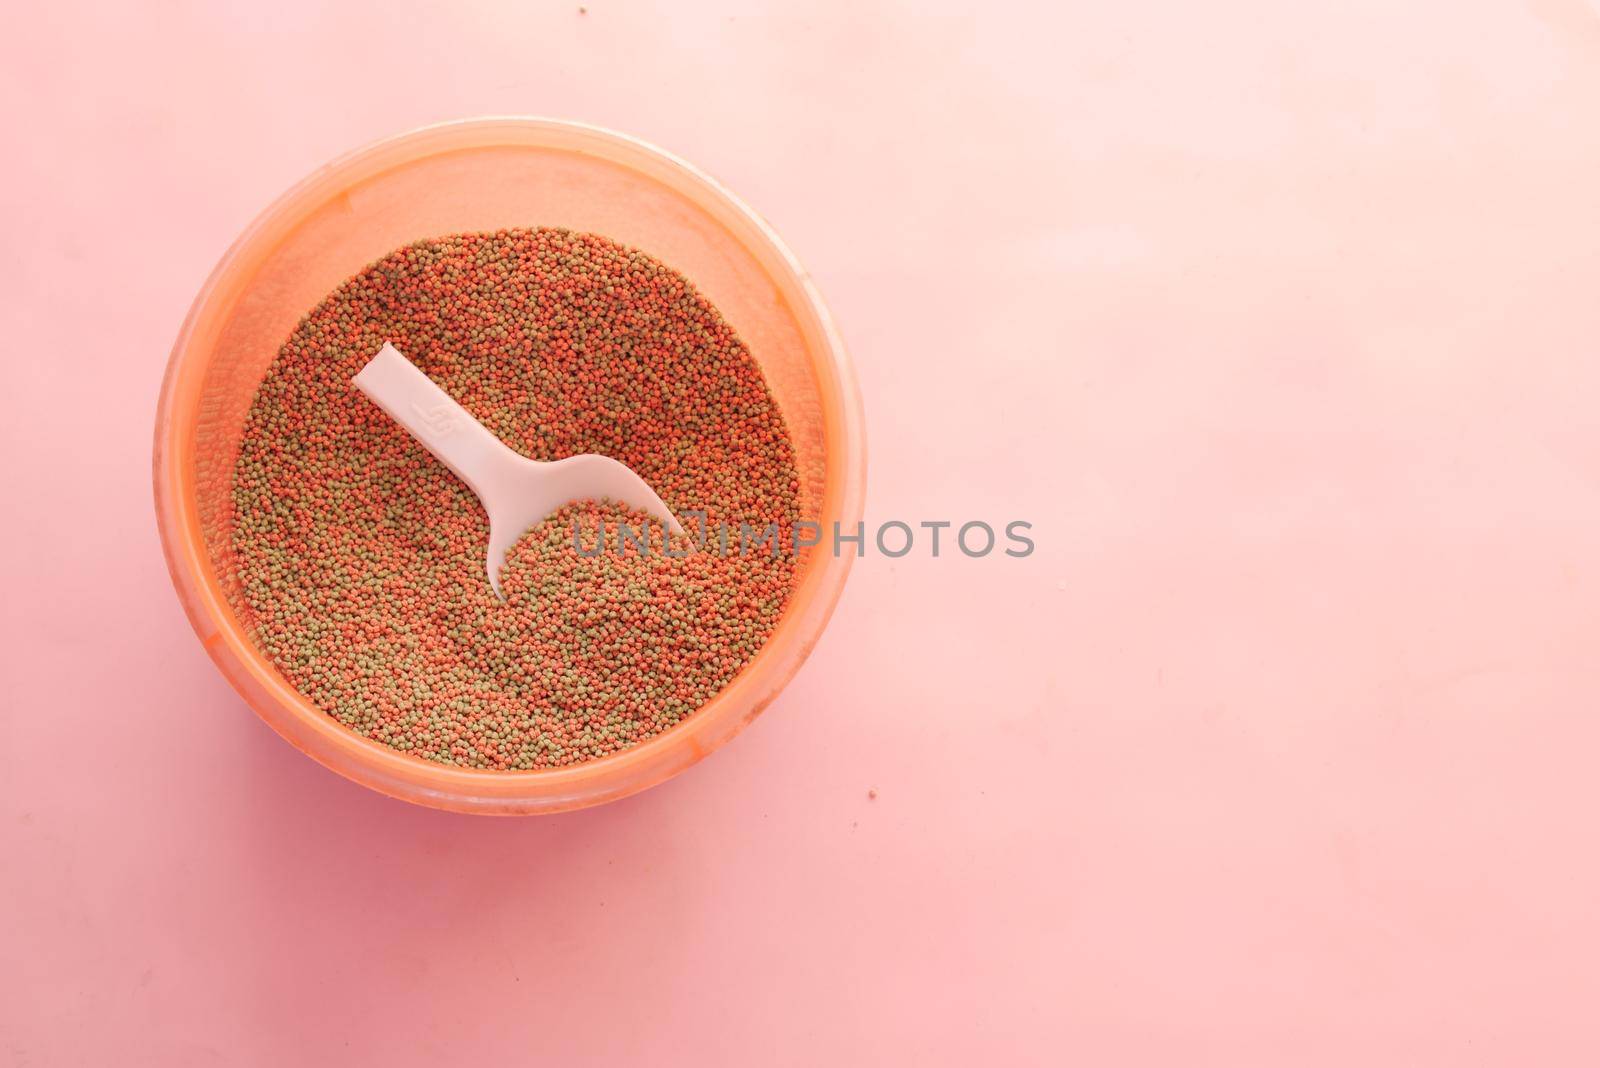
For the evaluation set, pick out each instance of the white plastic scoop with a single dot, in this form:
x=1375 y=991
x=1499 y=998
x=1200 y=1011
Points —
x=516 y=492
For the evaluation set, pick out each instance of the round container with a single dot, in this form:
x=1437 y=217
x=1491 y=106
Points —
x=486 y=175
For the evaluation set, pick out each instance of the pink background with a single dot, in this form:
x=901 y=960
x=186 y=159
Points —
x=1279 y=321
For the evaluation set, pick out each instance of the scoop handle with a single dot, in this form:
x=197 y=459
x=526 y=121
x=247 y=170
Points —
x=432 y=416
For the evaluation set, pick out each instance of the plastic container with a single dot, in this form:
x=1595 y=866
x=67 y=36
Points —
x=485 y=175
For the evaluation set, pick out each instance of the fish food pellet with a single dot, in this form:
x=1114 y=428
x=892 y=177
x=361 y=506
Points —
x=361 y=558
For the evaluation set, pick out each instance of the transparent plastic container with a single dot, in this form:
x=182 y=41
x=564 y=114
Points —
x=485 y=175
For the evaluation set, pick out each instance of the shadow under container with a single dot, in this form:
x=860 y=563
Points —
x=494 y=174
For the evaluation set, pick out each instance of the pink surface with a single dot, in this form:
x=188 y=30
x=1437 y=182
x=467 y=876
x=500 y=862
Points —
x=1279 y=324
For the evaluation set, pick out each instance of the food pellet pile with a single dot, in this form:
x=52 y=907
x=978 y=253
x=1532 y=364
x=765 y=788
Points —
x=362 y=558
